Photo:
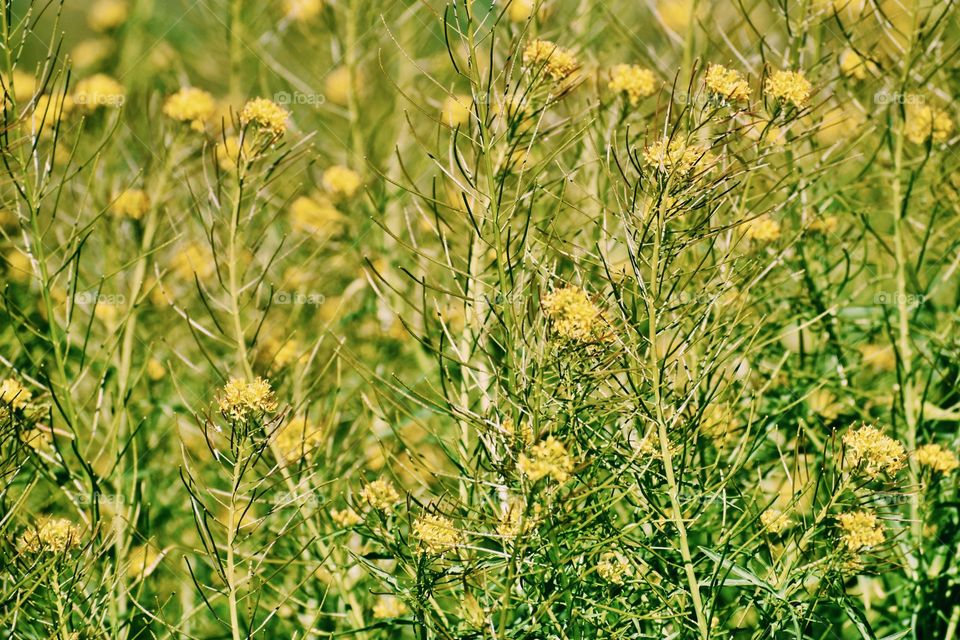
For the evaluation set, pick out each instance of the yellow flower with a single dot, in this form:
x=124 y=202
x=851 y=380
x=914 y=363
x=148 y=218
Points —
x=380 y=494
x=23 y=85
x=298 y=439
x=341 y=182
x=728 y=84
x=97 y=91
x=191 y=260
x=155 y=369
x=860 y=529
x=668 y=156
x=192 y=105
x=937 y=458
x=91 y=52
x=790 y=86
x=132 y=203
x=345 y=518
x=315 y=214
x=142 y=561
x=612 y=568
x=19 y=266
x=388 y=607
x=763 y=228
x=302 y=10
x=924 y=122
x=456 y=110
x=514 y=520
x=241 y=401
x=229 y=153
x=825 y=225
x=266 y=115
x=877 y=452
x=880 y=357
x=676 y=14
x=774 y=521
x=633 y=80
x=55 y=535
x=14 y=394
x=573 y=316
x=337 y=86
x=521 y=10
x=107 y=14
x=853 y=65
x=436 y=534
x=549 y=458
x=557 y=62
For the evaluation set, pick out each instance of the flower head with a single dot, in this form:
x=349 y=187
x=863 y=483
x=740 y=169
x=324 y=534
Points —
x=728 y=84
x=131 y=203
x=612 y=567
x=298 y=439
x=763 y=228
x=774 y=521
x=241 y=401
x=388 y=607
x=633 y=80
x=878 y=453
x=573 y=316
x=313 y=214
x=302 y=10
x=436 y=534
x=192 y=105
x=855 y=66
x=97 y=91
x=925 y=122
x=265 y=114
x=345 y=518
x=341 y=182
x=55 y=535
x=669 y=156
x=14 y=394
x=790 y=86
x=521 y=10
x=337 y=86
x=107 y=14
x=557 y=62
x=380 y=494
x=549 y=458
x=936 y=458
x=860 y=529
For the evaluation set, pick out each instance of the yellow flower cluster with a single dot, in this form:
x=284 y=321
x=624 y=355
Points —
x=573 y=316
x=633 y=80
x=728 y=84
x=341 y=182
x=388 y=607
x=675 y=155
x=937 y=458
x=514 y=520
x=107 y=14
x=265 y=114
x=860 y=529
x=337 y=86
x=380 y=494
x=521 y=10
x=14 y=394
x=345 y=518
x=774 y=521
x=51 y=534
x=241 y=401
x=878 y=453
x=97 y=91
x=436 y=534
x=790 y=86
x=302 y=10
x=455 y=111
x=557 y=62
x=924 y=122
x=855 y=66
x=297 y=439
x=612 y=568
x=192 y=105
x=549 y=458
x=312 y=214
x=131 y=203
x=763 y=228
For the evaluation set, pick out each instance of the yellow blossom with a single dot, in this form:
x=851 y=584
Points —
x=302 y=10
x=314 y=214
x=860 y=529
x=155 y=369
x=924 y=122
x=131 y=203
x=613 y=568
x=937 y=458
x=633 y=80
x=455 y=111
x=298 y=439
x=825 y=224
x=763 y=228
x=341 y=182
x=790 y=86
x=557 y=62
x=774 y=521
x=728 y=84
x=436 y=534
x=91 y=52
x=22 y=85
x=265 y=114
x=345 y=518
x=668 y=156
x=388 y=607
x=514 y=520
x=99 y=90
x=55 y=535
x=880 y=357
x=107 y=14
x=573 y=316
x=549 y=458
x=192 y=105
x=855 y=66
x=338 y=85
x=878 y=453
x=230 y=153
x=193 y=259
x=142 y=561
x=380 y=494
x=241 y=401
x=521 y=10
x=14 y=394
